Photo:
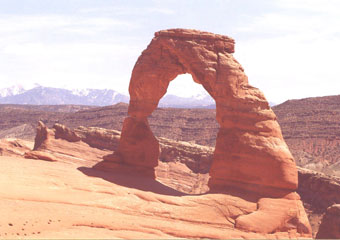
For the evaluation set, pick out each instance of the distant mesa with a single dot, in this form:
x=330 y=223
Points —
x=311 y=129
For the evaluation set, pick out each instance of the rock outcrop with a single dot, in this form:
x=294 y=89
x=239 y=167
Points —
x=318 y=189
x=184 y=168
x=63 y=144
x=14 y=147
x=309 y=126
x=318 y=192
x=250 y=151
x=330 y=225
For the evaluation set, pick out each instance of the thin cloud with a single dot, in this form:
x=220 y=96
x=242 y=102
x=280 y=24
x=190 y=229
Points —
x=292 y=51
x=165 y=11
x=289 y=48
x=51 y=49
x=311 y=6
x=31 y=23
x=127 y=10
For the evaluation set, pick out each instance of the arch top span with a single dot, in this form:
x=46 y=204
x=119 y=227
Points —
x=206 y=56
x=224 y=42
x=250 y=151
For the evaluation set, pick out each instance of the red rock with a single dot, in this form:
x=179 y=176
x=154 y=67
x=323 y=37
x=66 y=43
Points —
x=41 y=155
x=56 y=200
x=42 y=136
x=99 y=137
x=330 y=225
x=275 y=215
x=250 y=151
x=318 y=192
x=14 y=147
x=196 y=157
x=62 y=144
x=183 y=167
x=65 y=133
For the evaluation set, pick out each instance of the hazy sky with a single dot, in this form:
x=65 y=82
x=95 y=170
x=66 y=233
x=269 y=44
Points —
x=289 y=48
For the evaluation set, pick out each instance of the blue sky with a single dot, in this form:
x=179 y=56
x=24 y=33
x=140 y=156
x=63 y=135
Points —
x=289 y=48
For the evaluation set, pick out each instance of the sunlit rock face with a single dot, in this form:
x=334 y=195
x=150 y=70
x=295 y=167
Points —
x=250 y=151
x=250 y=156
x=179 y=196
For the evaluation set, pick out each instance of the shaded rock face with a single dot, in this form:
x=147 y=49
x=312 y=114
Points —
x=184 y=167
x=318 y=190
x=250 y=151
x=330 y=225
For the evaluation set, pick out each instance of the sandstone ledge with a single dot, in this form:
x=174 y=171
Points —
x=232 y=214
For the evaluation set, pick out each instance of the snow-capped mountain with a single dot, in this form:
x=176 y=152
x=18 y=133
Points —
x=202 y=100
x=10 y=91
x=56 y=96
x=96 y=97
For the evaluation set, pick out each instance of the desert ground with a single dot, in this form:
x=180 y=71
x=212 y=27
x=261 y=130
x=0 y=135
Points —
x=91 y=182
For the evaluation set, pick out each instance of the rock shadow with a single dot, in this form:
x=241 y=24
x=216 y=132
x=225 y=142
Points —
x=254 y=192
x=129 y=181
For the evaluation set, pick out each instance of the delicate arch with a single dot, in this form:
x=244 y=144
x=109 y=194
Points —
x=250 y=151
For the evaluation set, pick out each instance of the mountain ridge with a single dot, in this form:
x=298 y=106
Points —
x=40 y=95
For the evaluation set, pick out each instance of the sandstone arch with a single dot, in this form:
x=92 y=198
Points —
x=250 y=151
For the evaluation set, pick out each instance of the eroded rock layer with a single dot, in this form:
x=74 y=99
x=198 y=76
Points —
x=183 y=169
x=250 y=151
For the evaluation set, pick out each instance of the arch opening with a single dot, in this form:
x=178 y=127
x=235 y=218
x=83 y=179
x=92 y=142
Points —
x=249 y=140
x=190 y=118
x=184 y=92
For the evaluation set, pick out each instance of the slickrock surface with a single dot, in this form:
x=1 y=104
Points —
x=56 y=200
x=330 y=225
x=183 y=166
x=14 y=147
x=120 y=203
x=250 y=152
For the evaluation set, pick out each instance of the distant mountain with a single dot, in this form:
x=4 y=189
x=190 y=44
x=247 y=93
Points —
x=57 y=96
x=92 y=97
x=10 y=91
x=198 y=101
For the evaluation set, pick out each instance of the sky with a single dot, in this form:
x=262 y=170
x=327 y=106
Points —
x=289 y=48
